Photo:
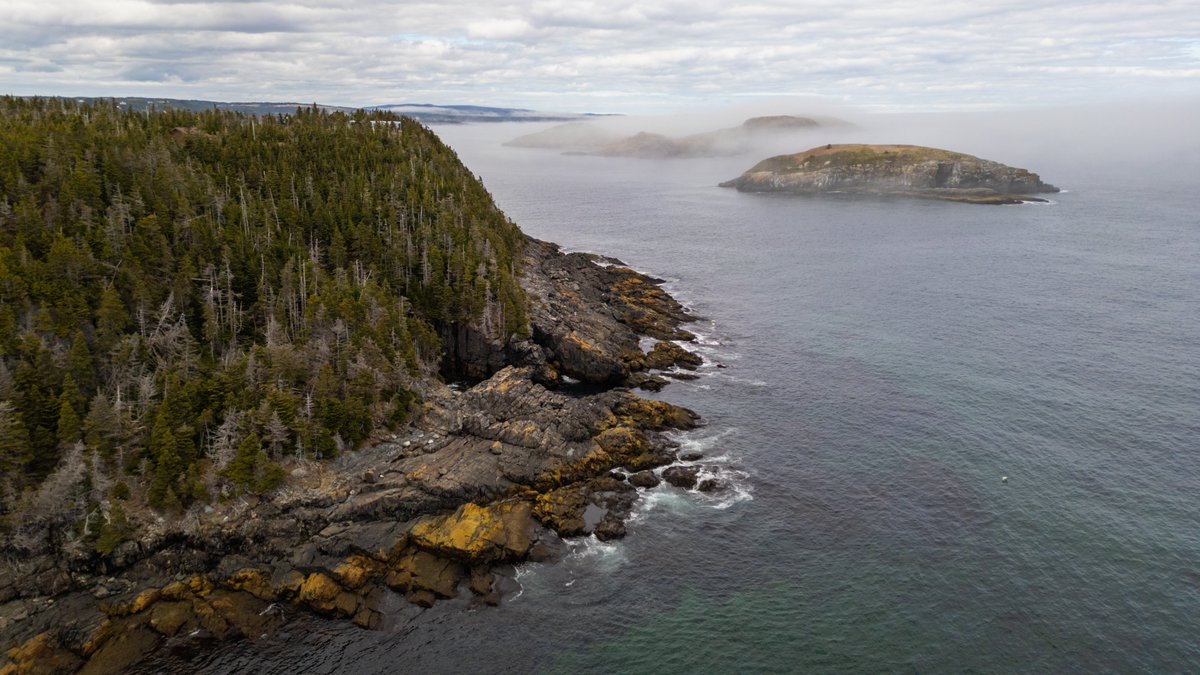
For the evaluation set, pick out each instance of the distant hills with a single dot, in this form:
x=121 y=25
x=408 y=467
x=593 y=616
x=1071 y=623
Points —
x=427 y=113
x=454 y=114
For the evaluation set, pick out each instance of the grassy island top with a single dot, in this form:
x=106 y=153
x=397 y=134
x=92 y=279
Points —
x=859 y=153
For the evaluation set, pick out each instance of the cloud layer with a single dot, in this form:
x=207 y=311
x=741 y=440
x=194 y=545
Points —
x=605 y=56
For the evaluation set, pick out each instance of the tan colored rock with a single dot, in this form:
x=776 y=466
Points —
x=666 y=354
x=562 y=510
x=243 y=613
x=422 y=598
x=255 y=581
x=168 y=617
x=356 y=570
x=345 y=604
x=422 y=570
x=320 y=593
x=200 y=586
x=124 y=649
x=139 y=603
x=629 y=447
x=482 y=580
x=41 y=654
x=176 y=591
x=288 y=585
x=479 y=534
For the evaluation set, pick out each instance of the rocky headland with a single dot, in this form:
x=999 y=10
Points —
x=549 y=442
x=593 y=139
x=893 y=170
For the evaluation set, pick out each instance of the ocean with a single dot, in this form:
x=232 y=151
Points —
x=956 y=438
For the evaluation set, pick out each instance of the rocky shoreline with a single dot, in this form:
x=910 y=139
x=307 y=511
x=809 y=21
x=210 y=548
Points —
x=549 y=443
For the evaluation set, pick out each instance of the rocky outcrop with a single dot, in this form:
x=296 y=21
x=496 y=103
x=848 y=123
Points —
x=494 y=474
x=893 y=170
x=588 y=318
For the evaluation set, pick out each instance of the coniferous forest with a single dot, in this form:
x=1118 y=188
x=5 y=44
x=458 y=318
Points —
x=188 y=299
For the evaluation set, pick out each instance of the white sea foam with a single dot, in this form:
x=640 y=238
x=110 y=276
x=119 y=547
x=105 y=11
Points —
x=601 y=555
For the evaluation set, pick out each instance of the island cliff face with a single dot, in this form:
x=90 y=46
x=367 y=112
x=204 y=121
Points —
x=893 y=170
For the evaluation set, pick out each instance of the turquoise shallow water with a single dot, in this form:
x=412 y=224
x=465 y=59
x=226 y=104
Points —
x=888 y=362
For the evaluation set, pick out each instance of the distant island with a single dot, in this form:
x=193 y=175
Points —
x=893 y=170
x=426 y=113
x=591 y=139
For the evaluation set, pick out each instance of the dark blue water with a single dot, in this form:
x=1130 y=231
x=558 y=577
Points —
x=888 y=363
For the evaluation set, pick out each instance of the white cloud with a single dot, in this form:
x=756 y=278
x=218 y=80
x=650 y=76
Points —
x=593 y=55
x=499 y=29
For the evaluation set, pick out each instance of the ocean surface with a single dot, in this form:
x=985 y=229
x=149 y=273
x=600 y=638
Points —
x=888 y=363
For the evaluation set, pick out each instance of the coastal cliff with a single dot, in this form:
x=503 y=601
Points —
x=473 y=384
x=893 y=170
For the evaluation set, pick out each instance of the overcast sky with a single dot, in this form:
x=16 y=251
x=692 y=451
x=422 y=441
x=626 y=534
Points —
x=606 y=56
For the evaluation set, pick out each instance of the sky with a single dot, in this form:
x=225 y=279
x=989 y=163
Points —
x=607 y=56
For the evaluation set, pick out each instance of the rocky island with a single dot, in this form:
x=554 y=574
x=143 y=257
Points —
x=893 y=170
x=254 y=366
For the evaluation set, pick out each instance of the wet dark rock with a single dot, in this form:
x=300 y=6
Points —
x=645 y=479
x=681 y=476
x=646 y=382
x=711 y=485
x=611 y=527
x=690 y=455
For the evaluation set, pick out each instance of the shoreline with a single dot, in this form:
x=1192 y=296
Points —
x=497 y=474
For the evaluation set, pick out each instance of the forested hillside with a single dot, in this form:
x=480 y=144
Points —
x=188 y=298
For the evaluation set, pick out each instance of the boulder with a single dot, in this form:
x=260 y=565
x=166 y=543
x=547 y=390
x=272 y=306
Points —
x=681 y=476
x=645 y=479
x=479 y=534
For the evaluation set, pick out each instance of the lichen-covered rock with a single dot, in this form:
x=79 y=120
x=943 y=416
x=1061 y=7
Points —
x=252 y=580
x=133 y=604
x=320 y=593
x=666 y=354
x=641 y=413
x=479 y=534
x=562 y=509
x=354 y=572
x=892 y=170
x=41 y=654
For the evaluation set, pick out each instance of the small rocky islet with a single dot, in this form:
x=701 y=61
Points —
x=893 y=171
